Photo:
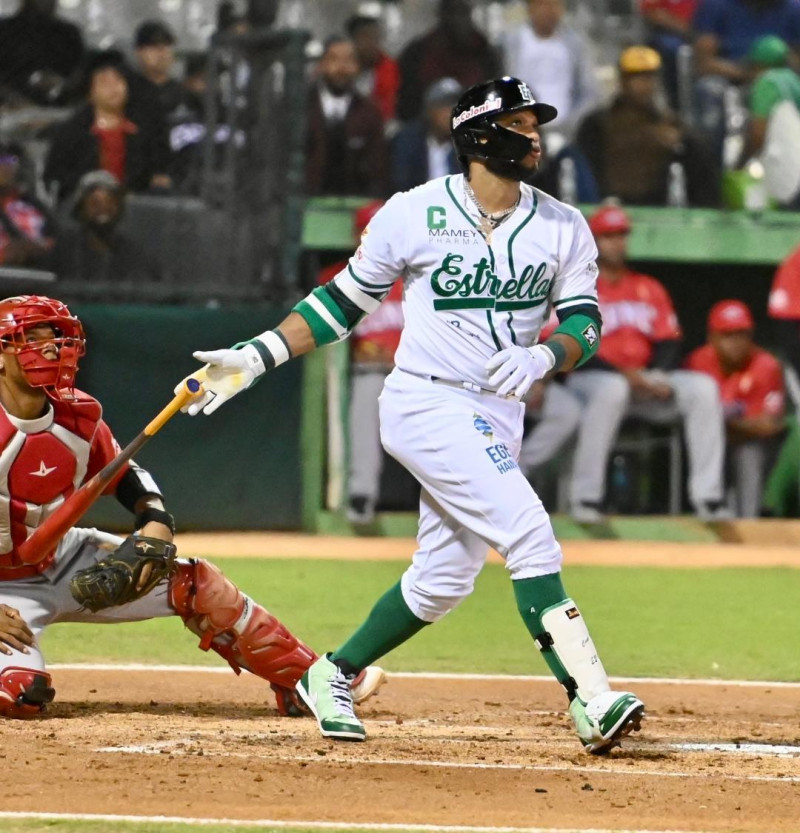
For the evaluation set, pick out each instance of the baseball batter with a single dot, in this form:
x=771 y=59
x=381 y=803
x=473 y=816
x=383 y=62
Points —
x=483 y=258
x=52 y=439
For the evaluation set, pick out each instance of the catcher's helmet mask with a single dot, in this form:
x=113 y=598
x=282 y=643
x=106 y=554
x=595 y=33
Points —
x=56 y=375
x=477 y=135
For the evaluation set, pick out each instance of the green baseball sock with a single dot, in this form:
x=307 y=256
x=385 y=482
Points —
x=534 y=596
x=389 y=624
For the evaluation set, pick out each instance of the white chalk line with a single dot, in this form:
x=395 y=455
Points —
x=177 y=747
x=322 y=825
x=429 y=675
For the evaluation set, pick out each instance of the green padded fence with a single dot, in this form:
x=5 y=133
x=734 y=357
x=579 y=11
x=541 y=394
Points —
x=237 y=469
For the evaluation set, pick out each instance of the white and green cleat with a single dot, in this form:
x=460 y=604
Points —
x=606 y=719
x=326 y=691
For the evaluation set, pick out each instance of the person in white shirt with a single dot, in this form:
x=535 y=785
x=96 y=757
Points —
x=556 y=62
x=483 y=258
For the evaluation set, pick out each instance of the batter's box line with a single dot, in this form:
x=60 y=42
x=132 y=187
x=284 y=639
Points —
x=430 y=675
x=177 y=748
x=320 y=825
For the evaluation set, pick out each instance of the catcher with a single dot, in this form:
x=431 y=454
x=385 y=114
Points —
x=52 y=439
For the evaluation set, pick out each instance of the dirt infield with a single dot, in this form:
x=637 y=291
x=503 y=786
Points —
x=444 y=752
x=600 y=553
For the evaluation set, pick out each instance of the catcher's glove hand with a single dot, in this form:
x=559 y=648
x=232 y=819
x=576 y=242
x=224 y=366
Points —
x=127 y=574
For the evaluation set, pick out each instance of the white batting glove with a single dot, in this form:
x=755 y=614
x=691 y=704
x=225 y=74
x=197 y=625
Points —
x=226 y=373
x=516 y=368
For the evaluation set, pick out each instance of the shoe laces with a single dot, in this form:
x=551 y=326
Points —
x=342 y=696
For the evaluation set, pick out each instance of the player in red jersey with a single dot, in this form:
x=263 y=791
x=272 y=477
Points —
x=634 y=373
x=751 y=386
x=52 y=439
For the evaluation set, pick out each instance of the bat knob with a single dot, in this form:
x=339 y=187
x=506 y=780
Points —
x=193 y=385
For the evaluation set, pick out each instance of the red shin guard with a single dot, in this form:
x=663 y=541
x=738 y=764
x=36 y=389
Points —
x=24 y=692
x=239 y=630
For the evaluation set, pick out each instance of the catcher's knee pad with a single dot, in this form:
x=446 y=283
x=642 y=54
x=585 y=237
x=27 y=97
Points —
x=24 y=692
x=238 y=629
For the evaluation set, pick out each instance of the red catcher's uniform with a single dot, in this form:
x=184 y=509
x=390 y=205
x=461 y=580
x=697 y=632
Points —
x=42 y=462
x=755 y=390
x=636 y=311
x=784 y=297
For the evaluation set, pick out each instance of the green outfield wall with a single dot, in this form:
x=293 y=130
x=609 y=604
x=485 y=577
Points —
x=237 y=469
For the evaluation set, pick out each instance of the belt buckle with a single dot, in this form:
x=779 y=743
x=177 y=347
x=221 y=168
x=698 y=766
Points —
x=471 y=386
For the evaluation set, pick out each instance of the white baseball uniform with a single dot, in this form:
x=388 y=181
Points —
x=464 y=300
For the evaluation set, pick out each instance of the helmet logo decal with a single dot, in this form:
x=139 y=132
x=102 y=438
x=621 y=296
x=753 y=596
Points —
x=525 y=92
x=488 y=106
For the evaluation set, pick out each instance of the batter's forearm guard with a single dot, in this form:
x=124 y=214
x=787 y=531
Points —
x=585 y=329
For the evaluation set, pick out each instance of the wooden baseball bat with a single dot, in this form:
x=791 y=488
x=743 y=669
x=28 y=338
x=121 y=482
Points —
x=55 y=526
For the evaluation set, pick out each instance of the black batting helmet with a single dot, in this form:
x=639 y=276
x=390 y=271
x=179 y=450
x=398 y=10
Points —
x=474 y=130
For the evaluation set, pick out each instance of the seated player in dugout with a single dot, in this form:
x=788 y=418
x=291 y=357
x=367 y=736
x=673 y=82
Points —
x=53 y=439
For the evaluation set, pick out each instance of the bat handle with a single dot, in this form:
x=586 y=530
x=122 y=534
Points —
x=191 y=390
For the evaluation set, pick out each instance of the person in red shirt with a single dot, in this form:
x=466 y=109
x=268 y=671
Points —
x=372 y=347
x=633 y=374
x=53 y=439
x=380 y=76
x=108 y=133
x=751 y=387
x=784 y=307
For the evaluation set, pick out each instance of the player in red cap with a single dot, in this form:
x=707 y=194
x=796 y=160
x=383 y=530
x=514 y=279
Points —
x=634 y=373
x=751 y=386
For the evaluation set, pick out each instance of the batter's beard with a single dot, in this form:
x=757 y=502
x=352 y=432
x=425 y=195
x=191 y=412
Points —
x=515 y=171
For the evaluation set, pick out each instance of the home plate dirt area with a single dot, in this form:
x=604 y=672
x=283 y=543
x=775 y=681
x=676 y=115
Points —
x=468 y=752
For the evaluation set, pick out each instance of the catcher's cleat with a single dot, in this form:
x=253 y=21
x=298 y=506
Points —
x=606 y=719
x=326 y=691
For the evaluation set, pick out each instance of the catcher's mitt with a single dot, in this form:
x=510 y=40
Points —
x=115 y=579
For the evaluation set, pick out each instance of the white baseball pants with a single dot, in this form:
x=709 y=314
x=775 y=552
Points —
x=45 y=599
x=463 y=447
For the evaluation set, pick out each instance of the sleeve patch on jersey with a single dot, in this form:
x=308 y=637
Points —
x=590 y=335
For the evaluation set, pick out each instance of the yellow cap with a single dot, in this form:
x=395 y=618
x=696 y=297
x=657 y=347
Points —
x=639 y=59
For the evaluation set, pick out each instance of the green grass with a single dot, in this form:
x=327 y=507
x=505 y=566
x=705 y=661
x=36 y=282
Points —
x=727 y=623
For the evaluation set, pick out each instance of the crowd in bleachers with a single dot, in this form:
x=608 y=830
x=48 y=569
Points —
x=699 y=105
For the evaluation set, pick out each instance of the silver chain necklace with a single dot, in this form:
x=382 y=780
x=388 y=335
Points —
x=490 y=220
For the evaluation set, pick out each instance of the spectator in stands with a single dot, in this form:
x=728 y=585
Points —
x=784 y=306
x=379 y=75
x=422 y=149
x=633 y=373
x=94 y=250
x=453 y=49
x=187 y=127
x=669 y=24
x=27 y=230
x=556 y=61
x=637 y=148
x=102 y=134
x=40 y=55
x=725 y=32
x=152 y=85
x=774 y=84
x=372 y=348
x=750 y=381
x=346 y=149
